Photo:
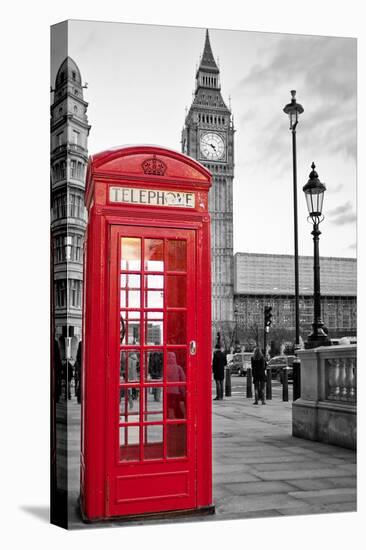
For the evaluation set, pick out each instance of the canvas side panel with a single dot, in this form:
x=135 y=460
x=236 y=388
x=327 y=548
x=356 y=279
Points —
x=58 y=200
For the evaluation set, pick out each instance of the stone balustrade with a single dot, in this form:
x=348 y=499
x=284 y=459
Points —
x=326 y=410
x=340 y=376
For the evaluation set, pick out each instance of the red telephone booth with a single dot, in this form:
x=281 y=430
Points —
x=146 y=404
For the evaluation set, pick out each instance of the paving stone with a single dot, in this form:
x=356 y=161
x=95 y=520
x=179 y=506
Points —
x=235 y=477
x=326 y=496
x=259 y=487
x=298 y=474
x=252 y=503
x=341 y=507
x=291 y=465
x=349 y=481
x=313 y=484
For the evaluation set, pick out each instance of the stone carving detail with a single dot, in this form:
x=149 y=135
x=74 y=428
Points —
x=341 y=379
x=154 y=167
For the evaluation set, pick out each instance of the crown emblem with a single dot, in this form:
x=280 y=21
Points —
x=154 y=167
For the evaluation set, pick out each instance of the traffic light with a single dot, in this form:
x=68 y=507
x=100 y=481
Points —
x=267 y=316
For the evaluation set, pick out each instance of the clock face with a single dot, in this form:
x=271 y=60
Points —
x=212 y=146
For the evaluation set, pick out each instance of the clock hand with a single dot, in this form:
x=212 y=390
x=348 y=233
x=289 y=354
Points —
x=213 y=147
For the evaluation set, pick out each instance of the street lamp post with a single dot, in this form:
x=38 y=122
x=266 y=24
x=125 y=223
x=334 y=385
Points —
x=293 y=110
x=236 y=339
x=314 y=192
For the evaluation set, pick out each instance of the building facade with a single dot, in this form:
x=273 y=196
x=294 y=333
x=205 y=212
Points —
x=69 y=157
x=208 y=136
x=268 y=280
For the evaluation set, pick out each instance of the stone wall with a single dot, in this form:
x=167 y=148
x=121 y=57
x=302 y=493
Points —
x=327 y=408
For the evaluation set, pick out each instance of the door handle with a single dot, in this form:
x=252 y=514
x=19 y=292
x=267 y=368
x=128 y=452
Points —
x=192 y=347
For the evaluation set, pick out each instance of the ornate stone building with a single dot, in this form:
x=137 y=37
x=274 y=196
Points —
x=69 y=157
x=208 y=136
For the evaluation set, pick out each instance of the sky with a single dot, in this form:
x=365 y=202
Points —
x=141 y=79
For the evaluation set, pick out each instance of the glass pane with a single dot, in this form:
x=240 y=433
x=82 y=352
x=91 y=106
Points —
x=154 y=255
x=133 y=333
x=129 y=366
x=133 y=366
x=122 y=367
x=176 y=327
x=130 y=327
x=176 y=366
x=176 y=290
x=133 y=315
x=154 y=281
x=133 y=299
x=176 y=440
x=123 y=328
x=129 y=405
x=177 y=256
x=154 y=299
x=155 y=315
x=123 y=280
x=130 y=253
x=153 y=404
x=154 y=365
x=154 y=333
x=153 y=442
x=133 y=281
x=129 y=442
x=176 y=402
x=122 y=298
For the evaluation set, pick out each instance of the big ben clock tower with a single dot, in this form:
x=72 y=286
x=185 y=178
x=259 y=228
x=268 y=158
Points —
x=208 y=136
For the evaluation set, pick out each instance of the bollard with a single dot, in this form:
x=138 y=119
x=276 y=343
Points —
x=227 y=382
x=285 y=384
x=269 y=383
x=296 y=379
x=249 y=382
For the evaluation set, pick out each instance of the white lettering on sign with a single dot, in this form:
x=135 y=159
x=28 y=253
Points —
x=155 y=197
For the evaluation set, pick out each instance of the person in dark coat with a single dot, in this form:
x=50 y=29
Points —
x=77 y=366
x=57 y=365
x=70 y=375
x=259 y=376
x=218 y=368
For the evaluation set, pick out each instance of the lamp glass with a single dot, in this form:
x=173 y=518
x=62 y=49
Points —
x=314 y=200
x=293 y=117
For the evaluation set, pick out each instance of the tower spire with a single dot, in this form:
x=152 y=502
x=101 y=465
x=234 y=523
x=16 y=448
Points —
x=208 y=62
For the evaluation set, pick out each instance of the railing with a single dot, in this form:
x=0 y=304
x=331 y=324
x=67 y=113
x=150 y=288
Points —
x=340 y=377
x=70 y=147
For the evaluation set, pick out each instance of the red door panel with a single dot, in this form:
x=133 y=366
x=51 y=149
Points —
x=151 y=395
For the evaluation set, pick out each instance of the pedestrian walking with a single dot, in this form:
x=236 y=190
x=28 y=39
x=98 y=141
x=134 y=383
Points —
x=259 y=376
x=70 y=376
x=156 y=371
x=77 y=366
x=218 y=368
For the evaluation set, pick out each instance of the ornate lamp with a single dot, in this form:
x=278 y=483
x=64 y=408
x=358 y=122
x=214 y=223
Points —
x=314 y=192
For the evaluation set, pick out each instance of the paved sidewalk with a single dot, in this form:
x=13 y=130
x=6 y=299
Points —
x=259 y=469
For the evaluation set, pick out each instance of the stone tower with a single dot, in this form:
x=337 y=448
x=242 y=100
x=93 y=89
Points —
x=208 y=136
x=69 y=157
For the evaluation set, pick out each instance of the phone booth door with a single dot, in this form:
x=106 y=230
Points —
x=151 y=395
